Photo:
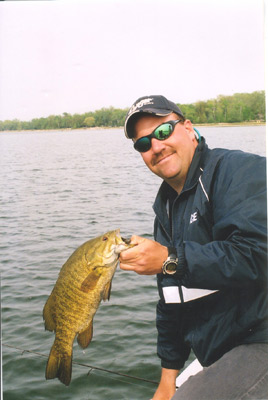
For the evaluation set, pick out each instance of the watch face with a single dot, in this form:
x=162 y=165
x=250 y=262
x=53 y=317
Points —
x=171 y=266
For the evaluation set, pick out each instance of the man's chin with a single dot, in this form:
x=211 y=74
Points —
x=169 y=176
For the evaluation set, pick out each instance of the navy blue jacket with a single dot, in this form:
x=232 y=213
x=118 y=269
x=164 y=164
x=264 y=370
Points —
x=218 y=224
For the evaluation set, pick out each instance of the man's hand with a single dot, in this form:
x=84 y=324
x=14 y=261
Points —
x=145 y=258
x=167 y=385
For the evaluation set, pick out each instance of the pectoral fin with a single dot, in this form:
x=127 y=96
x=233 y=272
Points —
x=107 y=291
x=90 y=282
x=84 y=338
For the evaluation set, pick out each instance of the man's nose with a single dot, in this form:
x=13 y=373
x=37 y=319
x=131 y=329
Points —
x=157 y=145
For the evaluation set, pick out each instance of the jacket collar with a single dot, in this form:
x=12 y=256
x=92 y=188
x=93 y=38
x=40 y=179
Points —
x=166 y=192
x=196 y=166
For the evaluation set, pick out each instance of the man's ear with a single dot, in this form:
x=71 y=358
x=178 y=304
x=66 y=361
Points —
x=190 y=129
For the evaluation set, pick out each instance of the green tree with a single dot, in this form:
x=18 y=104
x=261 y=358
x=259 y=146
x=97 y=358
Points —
x=89 y=121
x=237 y=108
x=77 y=121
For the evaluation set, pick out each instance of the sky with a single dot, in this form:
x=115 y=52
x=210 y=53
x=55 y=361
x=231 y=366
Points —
x=79 y=56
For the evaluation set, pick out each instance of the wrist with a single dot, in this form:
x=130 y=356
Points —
x=172 y=264
x=168 y=380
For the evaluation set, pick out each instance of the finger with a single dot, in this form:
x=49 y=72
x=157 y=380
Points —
x=129 y=255
x=126 y=267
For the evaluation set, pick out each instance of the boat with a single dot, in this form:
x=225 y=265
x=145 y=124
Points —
x=191 y=370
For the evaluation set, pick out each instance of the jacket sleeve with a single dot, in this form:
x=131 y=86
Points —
x=237 y=255
x=170 y=344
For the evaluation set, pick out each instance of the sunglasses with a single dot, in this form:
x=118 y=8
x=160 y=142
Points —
x=162 y=132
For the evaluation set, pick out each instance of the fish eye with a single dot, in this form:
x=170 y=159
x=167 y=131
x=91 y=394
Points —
x=104 y=238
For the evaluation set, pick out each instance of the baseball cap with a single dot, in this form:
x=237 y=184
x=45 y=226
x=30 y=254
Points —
x=156 y=104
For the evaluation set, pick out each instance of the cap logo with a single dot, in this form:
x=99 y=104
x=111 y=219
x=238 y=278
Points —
x=141 y=103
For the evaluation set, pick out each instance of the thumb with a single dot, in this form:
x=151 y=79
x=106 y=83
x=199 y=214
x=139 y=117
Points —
x=136 y=239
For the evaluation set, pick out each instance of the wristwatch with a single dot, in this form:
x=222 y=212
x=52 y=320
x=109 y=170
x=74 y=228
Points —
x=171 y=263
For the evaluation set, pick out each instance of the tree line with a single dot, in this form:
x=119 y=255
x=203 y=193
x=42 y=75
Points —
x=240 y=107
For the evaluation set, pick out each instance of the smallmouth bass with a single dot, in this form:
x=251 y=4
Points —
x=84 y=280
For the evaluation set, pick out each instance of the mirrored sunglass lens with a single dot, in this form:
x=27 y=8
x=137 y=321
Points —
x=143 y=144
x=163 y=131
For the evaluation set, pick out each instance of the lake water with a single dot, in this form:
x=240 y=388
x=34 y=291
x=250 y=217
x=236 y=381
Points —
x=59 y=189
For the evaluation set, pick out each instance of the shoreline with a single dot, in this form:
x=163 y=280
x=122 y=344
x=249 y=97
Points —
x=219 y=124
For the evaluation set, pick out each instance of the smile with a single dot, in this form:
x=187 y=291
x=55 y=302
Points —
x=163 y=159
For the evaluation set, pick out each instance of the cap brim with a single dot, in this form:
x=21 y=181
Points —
x=155 y=111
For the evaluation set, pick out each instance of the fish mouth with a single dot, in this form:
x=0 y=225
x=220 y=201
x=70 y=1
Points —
x=111 y=257
x=124 y=245
x=119 y=247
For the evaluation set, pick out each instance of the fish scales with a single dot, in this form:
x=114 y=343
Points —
x=84 y=280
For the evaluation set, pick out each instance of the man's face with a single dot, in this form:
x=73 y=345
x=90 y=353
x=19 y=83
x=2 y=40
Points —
x=170 y=159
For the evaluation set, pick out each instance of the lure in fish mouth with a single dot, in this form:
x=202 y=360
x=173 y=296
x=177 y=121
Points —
x=83 y=282
x=117 y=248
x=123 y=246
x=127 y=241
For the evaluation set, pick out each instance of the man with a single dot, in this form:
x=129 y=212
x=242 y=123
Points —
x=209 y=255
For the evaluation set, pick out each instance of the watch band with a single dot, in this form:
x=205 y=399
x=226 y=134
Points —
x=172 y=251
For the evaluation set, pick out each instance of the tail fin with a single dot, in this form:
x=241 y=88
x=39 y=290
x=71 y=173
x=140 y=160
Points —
x=59 y=365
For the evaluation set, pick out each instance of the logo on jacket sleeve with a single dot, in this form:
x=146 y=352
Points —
x=193 y=217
